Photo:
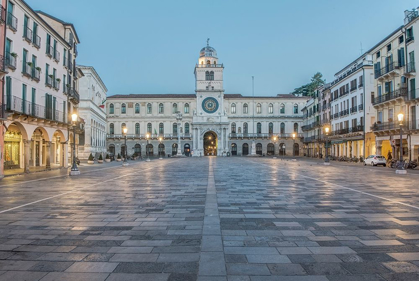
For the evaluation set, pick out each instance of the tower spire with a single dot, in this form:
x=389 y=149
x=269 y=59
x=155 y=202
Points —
x=208 y=42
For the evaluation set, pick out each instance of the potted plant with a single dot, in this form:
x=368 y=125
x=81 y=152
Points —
x=58 y=80
x=107 y=158
x=91 y=159
x=100 y=160
x=13 y=55
x=29 y=63
x=38 y=68
x=50 y=76
x=118 y=158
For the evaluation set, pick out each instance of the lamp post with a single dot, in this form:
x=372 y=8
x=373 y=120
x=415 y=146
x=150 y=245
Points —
x=326 y=160
x=283 y=150
x=178 y=119
x=146 y=148
x=274 y=139
x=160 y=139
x=400 y=167
x=74 y=170
x=125 y=131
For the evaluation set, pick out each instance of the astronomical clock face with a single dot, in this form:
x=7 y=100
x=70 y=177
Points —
x=210 y=105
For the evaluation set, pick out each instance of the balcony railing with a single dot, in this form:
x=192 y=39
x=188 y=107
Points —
x=413 y=94
x=386 y=69
x=409 y=39
x=360 y=107
x=360 y=85
x=12 y=21
x=27 y=70
x=150 y=137
x=390 y=96
x=36 y=41
x=209 y=65
x=56 y=84
x=336 y=115
x=15 y=104
x=354 y=109
x=50 y=51
x=27 y=34
x=48 y=81
x=387 y=126
x=410 y=67
x=2 y=64
x=262 y=135
x=2 y=14
x=73 y=95
x=10 y=61
x=56 y=56
x=414 y=125
x=36 y=74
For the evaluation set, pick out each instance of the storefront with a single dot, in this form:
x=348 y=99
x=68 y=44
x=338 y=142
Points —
x=12 y=148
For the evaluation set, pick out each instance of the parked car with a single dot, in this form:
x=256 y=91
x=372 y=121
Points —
x=375 y=160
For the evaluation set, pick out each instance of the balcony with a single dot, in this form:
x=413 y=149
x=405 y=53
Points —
x=209 y=65
x=400 y=93
x=389 y=69
x=49 y=51
x=56 y=84
x=27 y=70
x=36 y=41
x=387 y=126
x=57 y=56
x=413 y=95
x=336 y=115
x=48 y=81
x=354 y=109
x=10 y=61
x=410 y=68
x=27 y=34
x=409 y=39
x=73 y=95
x=353 y=88
x=2 y=65
x=360 y=107
x=36 y=74
x=17 y=105
x=2 y=14
x=414 y=125
x=11 y=22
x=70 y=66
x=360 y=85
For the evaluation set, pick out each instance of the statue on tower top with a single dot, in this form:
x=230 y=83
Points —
x=208 y=41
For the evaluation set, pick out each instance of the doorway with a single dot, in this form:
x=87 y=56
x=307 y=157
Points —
x=210 y=144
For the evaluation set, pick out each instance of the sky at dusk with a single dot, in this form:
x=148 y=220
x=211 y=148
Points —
x=151 y=47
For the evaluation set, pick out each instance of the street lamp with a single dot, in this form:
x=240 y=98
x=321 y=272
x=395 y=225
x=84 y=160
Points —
x=179 y=119
x=283 y=150
x=125 y=131
x=274 y=139
x=400 y=167
x=146 y=151
x=293 y=144
x=74 y=170
x=326 y=160
x=160 y=139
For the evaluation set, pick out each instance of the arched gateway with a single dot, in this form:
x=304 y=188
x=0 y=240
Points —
x=210 y=144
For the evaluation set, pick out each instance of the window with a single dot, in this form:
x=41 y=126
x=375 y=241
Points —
x=149 y=108
x=123 y=108
x=111 y=129
x=122 y=127
x=137 y=108
x=48 y=45
x=409 y=34
x=209 y=75
x=245 y=128
x=271 y=108
x=271 y=128
x=149 y=128
x=24 y=60
x=233 y=108
x=161 y=129
x=401 y=39
x=245 y=108
x=186 y=108
x=282 y=109
x=26 y=30
x=259 y=128
x=377 y=55
x=233 y=128
x=295 y=127
x=187 y=128
x=111 y=108
x=295 y=108
x=137 y=128
x=388 y=47
x=360 y=81
x=259 y=108
x=161 y=108
x=174 y=128
x=174 y=108
x=282 y=128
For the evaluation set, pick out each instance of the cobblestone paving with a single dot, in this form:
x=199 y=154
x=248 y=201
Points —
x=213 y=219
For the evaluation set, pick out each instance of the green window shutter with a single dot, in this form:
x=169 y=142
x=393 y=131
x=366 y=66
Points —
x=33 y=100
x=63 y=112
x=25 y=54
x=8 y=92
x=35 y=31
x=54 y=101
x=48 y=42
x=23 y=98
x=25 y=26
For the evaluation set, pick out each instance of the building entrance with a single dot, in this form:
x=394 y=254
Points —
x=210 y=144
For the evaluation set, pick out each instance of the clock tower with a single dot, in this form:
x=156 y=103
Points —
x=210 y=119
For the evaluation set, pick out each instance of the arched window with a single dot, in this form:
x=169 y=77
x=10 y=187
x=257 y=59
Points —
x=259 y=108
x=271 y=149
x=161 y=108
x=259 y=128
x=271 y=128
x=161 y=149
x=137 y=108
x=211 y=75
x=271 y=108
x=245 y=108
x=295 y=108
x=296 y=149
x=111 y=108
x=186 y=128
x=137 y=128
x=186 y=108
x=259 y=149
x=175 y=129
x=174 y=107
x=122 y=127
x=233 y=108
x=282 y=128
x=137 y=149
x=296 y=127
x=245 y=149
x=233 y=149
x=282 y=151
x=149 y=128
x=149 y=110
x=112 y=149
x=233 y=128
x=111 y=129
x=208 y=62
x=174 y=149
x=207 y=75
x=282 y=108
x=123 y=108
x=161 y=129
x=245 y=128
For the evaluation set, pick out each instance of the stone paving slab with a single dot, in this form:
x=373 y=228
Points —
x=213 y=219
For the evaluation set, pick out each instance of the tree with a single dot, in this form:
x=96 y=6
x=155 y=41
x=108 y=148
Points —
x=308 y=89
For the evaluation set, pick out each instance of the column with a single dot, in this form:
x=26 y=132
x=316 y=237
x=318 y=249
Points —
x=64 y=159
x=48 y=155
x=26 y=144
